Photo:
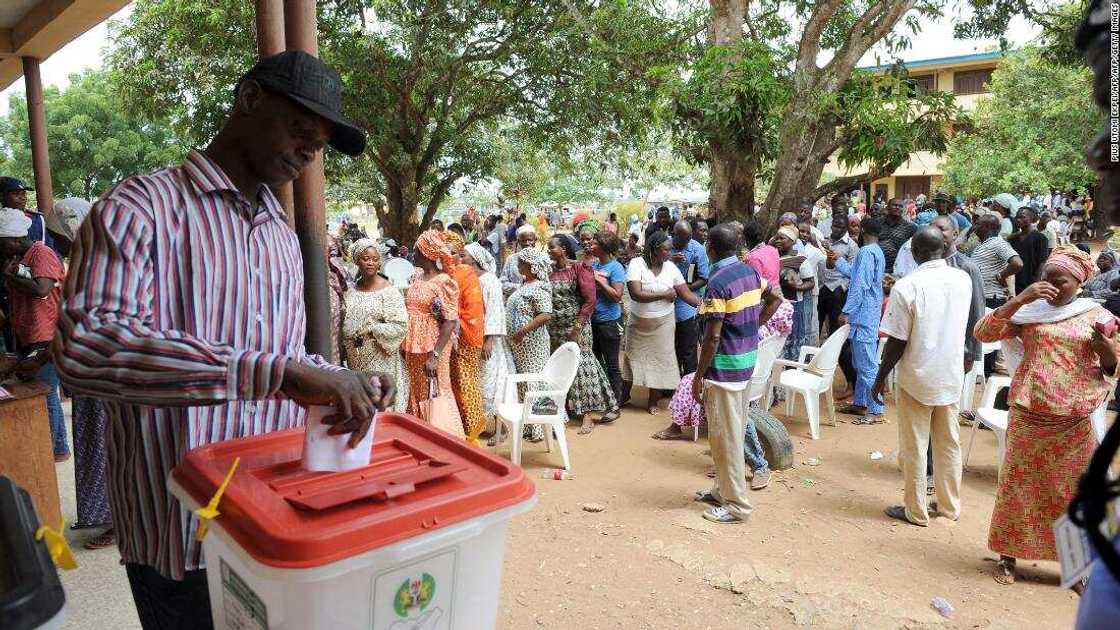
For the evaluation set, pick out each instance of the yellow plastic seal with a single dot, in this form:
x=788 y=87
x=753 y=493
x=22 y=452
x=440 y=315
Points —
x=57 y=545
x=210 y=512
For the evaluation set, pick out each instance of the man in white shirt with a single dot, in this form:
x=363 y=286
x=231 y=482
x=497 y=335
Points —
x=925 y=323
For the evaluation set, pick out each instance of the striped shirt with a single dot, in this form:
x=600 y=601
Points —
x=991 y=257
x=734 y=295
x=181 y=308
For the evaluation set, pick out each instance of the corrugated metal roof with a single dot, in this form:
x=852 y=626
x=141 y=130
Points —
x=940 y=61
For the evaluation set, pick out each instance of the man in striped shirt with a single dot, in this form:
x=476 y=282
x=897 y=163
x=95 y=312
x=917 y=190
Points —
x=737 y=302
x=184 y=311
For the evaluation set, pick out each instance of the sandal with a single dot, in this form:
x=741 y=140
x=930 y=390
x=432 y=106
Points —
x=584 y=430
x=852 y=410
x=610 y=417
x=105 y=539
x=665 y=434
x=1005 y=572
x=869 y=419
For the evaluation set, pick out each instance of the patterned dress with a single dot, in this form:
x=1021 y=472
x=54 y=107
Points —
x=1050 y=439
x=373 y=329
x=90 y=483
x=499 y=365
x=429 y=302
x=573 y=299
x=530 y=355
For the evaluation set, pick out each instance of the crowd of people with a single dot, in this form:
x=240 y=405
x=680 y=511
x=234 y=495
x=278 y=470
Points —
x=919 y=284
x=158 y=362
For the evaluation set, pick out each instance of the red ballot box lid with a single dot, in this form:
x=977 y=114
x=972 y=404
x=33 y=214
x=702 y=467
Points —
x=419 y=479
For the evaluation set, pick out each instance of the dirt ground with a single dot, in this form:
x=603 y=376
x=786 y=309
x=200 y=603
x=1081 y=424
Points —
x=818 y=550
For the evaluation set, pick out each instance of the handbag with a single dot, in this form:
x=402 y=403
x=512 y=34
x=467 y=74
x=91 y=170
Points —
x=439 y=411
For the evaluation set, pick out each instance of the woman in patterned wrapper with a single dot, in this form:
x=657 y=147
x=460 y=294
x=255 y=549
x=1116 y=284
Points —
x=375 y=320
x=573 y=300
x=1066 y=371
x=433 y=312
x=528 y=311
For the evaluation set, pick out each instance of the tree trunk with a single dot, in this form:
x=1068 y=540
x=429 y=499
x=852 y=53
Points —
x=731 y=171
x=397 y=218
x=731 y=197
x=799 y=165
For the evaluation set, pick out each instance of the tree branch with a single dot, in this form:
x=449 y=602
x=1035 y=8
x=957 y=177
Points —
x=871 y=27
x=810 y=45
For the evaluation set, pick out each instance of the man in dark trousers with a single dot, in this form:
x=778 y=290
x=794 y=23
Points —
x=184 y=312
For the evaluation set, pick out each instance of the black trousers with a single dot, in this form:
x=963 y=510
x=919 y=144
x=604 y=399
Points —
x=165 y=604
x=990 y=358
x=830 y=305
x=606 y=339
x=686 y=338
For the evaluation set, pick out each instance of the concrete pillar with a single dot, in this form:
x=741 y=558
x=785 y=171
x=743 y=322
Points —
x=37 y=127
x=301 y=33
x=270 y=41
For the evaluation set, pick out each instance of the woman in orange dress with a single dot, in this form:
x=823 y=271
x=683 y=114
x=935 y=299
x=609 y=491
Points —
x=433 y=312
x=466 y=360
x=1066 y=371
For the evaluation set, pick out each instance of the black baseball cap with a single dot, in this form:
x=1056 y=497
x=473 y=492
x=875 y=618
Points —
x=314 y=85
x=11 y=184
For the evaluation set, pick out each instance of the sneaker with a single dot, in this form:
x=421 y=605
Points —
x=760 y=480
x=721 y=515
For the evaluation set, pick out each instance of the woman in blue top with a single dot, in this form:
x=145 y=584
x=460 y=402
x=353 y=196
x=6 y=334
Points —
x=599 y=248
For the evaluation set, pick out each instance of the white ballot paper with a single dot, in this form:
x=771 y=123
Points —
x=322 y=452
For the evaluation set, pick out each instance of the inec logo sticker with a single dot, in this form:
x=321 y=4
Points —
x=414 y=595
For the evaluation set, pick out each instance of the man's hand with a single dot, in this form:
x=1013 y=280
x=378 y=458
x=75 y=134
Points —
x=968 y=361
x=517 y=336
x=487 y=348
x=356 y=396
x=888 y=282
x=1039 y=290
x=698 y=389
x=677 y=257
x=877 y=390
x=431 y=366
x=843 y=319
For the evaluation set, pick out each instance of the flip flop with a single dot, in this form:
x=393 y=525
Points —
x=869 y=419
x=609 y=418
x=665 y=435
x=852 y=410
x=101 y=541
x=705 y=496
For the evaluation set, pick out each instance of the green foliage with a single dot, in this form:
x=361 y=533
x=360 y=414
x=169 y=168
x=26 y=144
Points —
x=883 y=120
x=92 y=143
x=734 y=95
x=1030 y=135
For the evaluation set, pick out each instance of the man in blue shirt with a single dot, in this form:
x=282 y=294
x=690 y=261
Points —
x=862 y=310
x=691 y=259
x=947 y=206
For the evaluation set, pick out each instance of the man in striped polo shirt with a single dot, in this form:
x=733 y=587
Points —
x=736 y=304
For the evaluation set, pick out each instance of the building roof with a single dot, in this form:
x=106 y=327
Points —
x=942 y=61
x=39 y=28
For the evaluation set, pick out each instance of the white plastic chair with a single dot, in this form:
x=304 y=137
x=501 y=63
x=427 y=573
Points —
x=558 y=375
x=989 y=416
x=810 y=379
x=768 y=351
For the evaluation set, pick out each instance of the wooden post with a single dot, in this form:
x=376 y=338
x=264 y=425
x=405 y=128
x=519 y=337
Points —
x=301 y=33
x=37 y=127
x=270 y=41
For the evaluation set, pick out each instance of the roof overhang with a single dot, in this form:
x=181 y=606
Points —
x=40 y=28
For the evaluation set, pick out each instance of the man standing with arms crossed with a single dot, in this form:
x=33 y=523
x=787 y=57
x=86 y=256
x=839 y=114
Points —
x=738 y=301
x=184 y=312
x=925 y=323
